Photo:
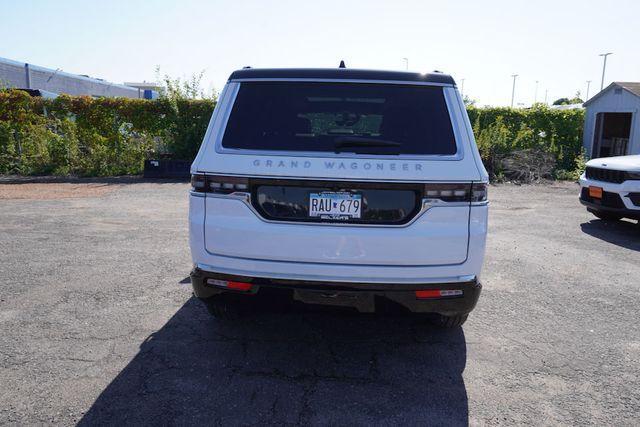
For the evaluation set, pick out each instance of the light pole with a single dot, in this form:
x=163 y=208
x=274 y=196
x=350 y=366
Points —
x=604 y=67
x=513 y=89
x=535 y=95
x=406 y=63
x=546 y=92
x=462 y=87
x=586 y=98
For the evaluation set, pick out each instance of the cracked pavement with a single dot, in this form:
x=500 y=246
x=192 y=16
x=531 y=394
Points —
x=97 y=325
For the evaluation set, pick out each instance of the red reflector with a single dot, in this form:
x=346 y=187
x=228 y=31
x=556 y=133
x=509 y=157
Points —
x=239 y=286
x=438 y=293
x=431 y=293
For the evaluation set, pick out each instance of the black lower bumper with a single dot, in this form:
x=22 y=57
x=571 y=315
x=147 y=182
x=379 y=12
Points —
x=599 y=207
x=362 y=296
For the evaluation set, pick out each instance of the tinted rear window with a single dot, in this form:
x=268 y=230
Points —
x=344 y=117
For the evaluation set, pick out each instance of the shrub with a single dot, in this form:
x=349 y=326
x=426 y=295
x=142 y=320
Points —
x=500 y=131
x=95 y=137
x=113 y=136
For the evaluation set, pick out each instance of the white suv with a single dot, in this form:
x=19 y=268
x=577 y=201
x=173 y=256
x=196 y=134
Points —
x=610 y=187
x=345 y=187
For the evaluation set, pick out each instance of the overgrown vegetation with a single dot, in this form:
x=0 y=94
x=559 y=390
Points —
x=113 y=136
x=529 y=144
x=96 y=136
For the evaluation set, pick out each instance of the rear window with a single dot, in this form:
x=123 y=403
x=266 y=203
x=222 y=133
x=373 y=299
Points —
x=340 y=117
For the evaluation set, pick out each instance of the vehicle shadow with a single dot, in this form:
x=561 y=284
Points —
x=301 y=367
x=622 y=233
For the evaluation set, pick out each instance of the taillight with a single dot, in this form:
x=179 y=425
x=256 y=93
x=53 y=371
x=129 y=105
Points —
x=218 y=184
x=479 y=191
x=448 y=192
x=476 y=192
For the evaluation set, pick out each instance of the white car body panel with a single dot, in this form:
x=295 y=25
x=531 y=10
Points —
x=623 y=163
x=338 y=272
x=415 y=244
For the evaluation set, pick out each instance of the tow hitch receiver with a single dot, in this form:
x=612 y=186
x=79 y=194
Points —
x=362 y=301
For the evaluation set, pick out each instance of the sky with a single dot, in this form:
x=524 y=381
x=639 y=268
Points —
x=556 y=43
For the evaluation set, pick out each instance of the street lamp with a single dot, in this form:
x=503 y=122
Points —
x=586 y=98
x=604 y=67
x=406 y=63
x=513 y=89
x=462 y=87
x=535 y=95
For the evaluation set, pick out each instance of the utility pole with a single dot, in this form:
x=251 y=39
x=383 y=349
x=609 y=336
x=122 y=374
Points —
x=406 y=63
x=535 y=96
x=513 y=89
x=462 y=87
x=604 y=67
x=586 y=98
x=546 y=92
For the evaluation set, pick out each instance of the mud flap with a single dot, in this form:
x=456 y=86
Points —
x=362 y=301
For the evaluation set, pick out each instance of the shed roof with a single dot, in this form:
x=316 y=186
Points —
x=633 y=87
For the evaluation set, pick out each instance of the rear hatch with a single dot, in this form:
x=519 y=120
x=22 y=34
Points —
x=337 y=172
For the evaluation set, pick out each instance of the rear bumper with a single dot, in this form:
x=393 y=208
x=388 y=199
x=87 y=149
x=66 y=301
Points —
x=362 y=296
x=346 y=261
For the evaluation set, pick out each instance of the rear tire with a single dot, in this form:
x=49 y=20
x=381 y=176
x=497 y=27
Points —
x=607 y=216
x=222 y=309
x=447 y=322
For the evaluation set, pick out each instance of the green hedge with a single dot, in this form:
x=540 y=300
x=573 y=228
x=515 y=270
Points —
x=501 y=131
x=113 y=136
x=95 y=136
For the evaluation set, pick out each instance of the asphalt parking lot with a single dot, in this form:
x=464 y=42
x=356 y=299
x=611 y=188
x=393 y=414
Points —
x=97 y=325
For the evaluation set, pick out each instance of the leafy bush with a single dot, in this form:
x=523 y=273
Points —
x=113 y=136
x=501 y=131
x=96 y=136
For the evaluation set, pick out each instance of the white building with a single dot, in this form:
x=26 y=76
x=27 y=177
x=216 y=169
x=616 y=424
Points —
x=22 y=75
x=612 y=125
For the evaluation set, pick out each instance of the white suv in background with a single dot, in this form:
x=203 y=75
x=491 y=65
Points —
x=610 y=187
x=346 y=187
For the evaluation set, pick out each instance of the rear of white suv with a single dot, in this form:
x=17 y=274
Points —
x=339 y=187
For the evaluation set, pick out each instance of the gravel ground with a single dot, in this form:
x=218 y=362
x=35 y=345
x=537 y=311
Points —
x=97 y=325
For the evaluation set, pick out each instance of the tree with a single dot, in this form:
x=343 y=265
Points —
x=189 y=88
x=567 y=101
x=468 y=102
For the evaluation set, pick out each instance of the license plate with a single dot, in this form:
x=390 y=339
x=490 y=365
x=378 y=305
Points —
x=595 y=192
x=335 y=205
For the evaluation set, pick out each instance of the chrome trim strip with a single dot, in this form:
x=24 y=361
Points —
x=197 y=193
x=313 y=277
x=324 y=178
x=426 y=205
